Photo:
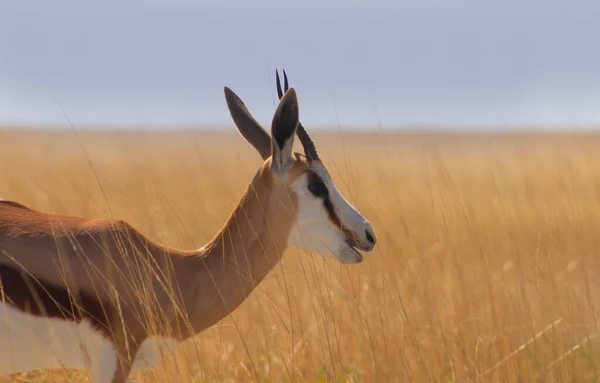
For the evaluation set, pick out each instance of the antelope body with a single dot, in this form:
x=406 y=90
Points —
x=99 y=295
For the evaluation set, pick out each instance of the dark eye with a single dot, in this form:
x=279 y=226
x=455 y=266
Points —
x=318 y=188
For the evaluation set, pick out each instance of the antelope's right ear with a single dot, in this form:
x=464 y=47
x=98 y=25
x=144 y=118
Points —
x=283 y=130
x=249 y=128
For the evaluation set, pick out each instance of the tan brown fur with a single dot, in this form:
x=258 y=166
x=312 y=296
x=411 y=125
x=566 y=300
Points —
x=143 y=282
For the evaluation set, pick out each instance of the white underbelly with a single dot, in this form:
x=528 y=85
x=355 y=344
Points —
x=30 y=342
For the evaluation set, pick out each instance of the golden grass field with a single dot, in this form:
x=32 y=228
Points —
x=487 y=266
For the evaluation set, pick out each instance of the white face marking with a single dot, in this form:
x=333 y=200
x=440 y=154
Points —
x=315 y=231
x=30 y=342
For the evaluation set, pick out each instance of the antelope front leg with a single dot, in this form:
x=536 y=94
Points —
x=103 y=365
x=122 y=372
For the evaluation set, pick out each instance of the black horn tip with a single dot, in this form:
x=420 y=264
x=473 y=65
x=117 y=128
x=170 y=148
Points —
x=279 y=91
x=286 y=86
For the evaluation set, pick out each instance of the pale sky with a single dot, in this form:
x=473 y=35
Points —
x=436 y=62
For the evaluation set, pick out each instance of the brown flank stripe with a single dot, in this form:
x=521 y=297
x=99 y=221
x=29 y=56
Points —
x=36 y=297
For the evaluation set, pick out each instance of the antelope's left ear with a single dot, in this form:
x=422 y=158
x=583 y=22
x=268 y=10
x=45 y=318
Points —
x=247 y=125
x=283 y=130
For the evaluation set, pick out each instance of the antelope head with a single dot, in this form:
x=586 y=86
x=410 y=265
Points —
x=325 y=222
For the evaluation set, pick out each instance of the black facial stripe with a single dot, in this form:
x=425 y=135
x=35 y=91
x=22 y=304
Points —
x=316 y=185
x=331 y=213
x=314 y=179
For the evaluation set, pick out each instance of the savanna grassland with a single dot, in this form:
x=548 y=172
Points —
x=487 y=266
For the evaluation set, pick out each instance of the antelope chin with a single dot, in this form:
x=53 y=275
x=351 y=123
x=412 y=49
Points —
x=349 y=254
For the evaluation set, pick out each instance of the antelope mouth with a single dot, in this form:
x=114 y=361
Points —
x=356 y=246
x=356 y=252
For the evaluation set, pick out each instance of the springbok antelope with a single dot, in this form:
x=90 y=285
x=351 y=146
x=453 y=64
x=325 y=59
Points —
x=99 y=295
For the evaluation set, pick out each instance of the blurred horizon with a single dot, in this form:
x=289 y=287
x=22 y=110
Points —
x=378 y=64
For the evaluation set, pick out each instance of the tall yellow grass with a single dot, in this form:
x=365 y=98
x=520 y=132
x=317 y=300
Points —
x=487 y=267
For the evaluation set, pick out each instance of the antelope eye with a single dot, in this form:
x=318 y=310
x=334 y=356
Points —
x=318 y=188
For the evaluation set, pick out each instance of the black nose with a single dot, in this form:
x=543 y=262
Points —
x=369 y=237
